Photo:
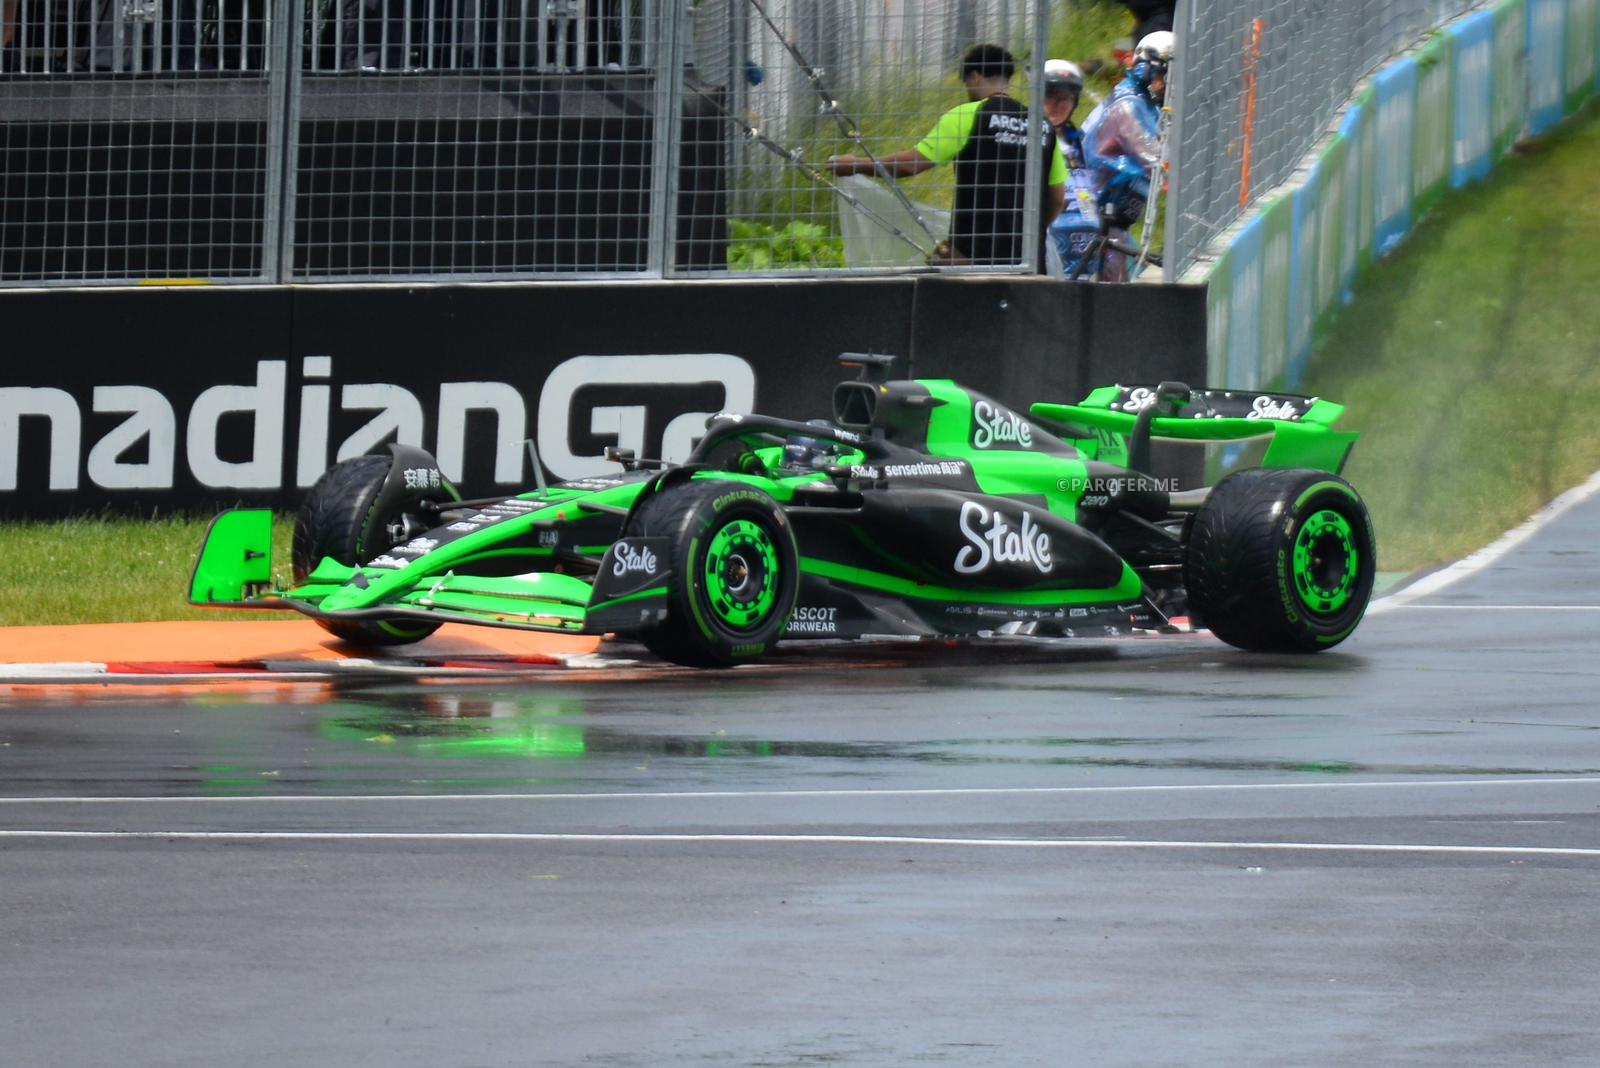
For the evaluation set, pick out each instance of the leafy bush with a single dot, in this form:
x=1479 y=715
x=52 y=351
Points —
x=759 y=246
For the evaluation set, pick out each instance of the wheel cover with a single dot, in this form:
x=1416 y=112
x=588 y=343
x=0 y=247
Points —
x=1326 y=562
x=741 y=574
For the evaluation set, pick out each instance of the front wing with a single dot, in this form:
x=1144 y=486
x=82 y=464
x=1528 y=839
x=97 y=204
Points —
x=233 y=572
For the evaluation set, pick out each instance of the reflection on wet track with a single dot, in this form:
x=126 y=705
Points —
x=905 y=715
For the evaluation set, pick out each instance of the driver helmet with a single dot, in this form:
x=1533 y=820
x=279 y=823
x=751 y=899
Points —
x=804 y=453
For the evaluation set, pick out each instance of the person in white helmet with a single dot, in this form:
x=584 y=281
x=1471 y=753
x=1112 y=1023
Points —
x=1122 y=143
x=1074 y=230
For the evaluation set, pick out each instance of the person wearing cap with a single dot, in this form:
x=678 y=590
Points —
x=1122 y=143
x=1074 y=230
x=986 y=139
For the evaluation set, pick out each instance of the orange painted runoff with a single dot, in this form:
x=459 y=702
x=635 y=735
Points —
x=229 y=642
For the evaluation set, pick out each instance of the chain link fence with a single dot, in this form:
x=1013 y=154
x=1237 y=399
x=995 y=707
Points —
x=288 y=141
x=1257 y=82
x=321 y=140
x=338 y=140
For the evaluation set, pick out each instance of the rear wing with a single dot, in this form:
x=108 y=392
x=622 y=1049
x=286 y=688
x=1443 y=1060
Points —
x=1300 y=428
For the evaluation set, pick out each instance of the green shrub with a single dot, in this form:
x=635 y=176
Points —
x=757 y=246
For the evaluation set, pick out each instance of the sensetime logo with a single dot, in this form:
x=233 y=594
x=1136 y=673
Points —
x=290 y=421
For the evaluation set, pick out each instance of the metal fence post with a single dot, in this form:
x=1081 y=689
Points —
x=665 y=142
x=1032 y=201
x=283 y=93
x=1181 y=18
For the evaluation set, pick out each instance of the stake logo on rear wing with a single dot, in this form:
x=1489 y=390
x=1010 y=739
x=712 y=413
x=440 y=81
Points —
x=1217 y=404
x=1301 y=428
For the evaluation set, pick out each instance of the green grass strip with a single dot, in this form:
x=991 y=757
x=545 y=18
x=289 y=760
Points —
x=102 y=569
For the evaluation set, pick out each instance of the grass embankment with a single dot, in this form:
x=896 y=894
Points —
x=1470 y=361
x=101 y=570
x=1470 y=358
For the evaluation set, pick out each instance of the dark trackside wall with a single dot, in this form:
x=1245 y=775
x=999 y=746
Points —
x=145 y=400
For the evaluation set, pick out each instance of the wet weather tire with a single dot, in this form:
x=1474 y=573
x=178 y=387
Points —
x=340 y=518
x=1281 y=560
x=735 y=571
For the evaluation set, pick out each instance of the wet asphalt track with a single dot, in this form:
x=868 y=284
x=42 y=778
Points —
x=1144 y=852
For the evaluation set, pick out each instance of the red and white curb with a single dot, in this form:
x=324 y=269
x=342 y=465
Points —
x=800 y=653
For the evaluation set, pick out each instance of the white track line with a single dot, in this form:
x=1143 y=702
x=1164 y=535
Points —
x=803 y=839
x=1499 y=607
x=714 y=795
x=1489 y=554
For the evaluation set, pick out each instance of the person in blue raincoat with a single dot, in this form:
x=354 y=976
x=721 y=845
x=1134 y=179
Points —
x=1122 y=143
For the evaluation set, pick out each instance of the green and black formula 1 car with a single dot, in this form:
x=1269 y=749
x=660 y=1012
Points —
x=920 y=509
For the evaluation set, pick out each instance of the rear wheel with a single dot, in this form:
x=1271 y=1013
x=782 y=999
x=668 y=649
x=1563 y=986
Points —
x=1281 y=560
x=340 y=518
x=735 y=572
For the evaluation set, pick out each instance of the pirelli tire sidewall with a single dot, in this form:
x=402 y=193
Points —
x=735 y=571
x=1281 y=560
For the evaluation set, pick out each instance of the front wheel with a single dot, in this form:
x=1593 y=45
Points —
x=1281 y=560
x=342 y=517
x=735 y=571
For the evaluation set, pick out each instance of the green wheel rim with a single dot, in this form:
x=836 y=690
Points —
x=741 y=575
x=1326 y=562
x=414 y=631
